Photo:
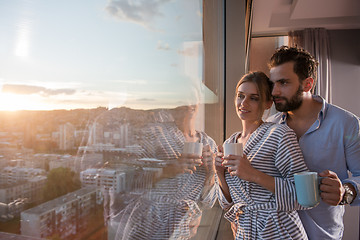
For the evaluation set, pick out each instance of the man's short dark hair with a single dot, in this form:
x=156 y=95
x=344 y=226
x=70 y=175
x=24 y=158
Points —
x=305 y=65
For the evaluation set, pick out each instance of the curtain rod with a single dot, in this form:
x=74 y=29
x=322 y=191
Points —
x=269 y=35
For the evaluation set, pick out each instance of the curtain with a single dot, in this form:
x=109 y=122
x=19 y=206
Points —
x=316 y=41
x=248 y=29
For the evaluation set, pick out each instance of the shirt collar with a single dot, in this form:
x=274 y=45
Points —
x=322 y=112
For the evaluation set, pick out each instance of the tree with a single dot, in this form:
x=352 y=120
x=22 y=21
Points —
x=60 y=181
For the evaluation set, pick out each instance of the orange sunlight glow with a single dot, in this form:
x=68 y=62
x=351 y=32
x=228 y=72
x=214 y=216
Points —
x=14 y=102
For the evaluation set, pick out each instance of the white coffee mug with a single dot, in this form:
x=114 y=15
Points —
x=193 y=148
x=233 y=148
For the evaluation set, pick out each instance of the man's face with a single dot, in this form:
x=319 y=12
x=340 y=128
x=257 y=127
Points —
x=287 y=92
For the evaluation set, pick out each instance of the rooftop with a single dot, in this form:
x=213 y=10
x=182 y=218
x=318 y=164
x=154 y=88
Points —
x=57 y=202
x=10 y=236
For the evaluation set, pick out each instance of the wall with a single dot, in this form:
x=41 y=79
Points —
x=345 y=65
x=234 y=60
x=213 y=28
x=345 y=70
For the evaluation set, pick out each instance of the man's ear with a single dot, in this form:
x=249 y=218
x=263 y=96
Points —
x=308 y=84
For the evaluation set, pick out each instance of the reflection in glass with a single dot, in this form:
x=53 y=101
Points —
x=96 y=102
x=168 y=201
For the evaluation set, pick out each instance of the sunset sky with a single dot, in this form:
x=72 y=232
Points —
x=89 y=53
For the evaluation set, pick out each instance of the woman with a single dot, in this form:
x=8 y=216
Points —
x=258 y=188
x=172 y=209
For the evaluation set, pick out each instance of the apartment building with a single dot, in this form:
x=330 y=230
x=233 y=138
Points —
x=65 y=215
x=12 y=175
x=30 y=189
x=107 y=179
x=66 y=136
x=10 y=236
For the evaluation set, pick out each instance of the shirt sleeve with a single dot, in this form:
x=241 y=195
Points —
x=208 y=193
x=209 y=196
x=223 y=202
x=288 y=160
x=352 y=155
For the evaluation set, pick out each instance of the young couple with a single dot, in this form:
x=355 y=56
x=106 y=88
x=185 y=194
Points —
x=257 y=189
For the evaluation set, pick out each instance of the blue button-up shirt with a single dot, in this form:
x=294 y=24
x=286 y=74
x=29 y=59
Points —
x=333 y=143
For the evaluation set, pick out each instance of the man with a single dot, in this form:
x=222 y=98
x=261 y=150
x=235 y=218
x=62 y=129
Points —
x=328 y=136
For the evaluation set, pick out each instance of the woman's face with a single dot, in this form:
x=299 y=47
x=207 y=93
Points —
x=186 y=113
x=247 y=102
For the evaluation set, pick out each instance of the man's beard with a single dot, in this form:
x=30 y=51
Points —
x=292 y=104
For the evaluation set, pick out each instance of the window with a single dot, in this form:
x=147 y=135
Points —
x=92 y=88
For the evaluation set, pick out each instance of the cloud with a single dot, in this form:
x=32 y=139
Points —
x=145 y=99
x=132 y=81
x=163 y=46
x=29 y=89
x=91 y=99
x=141 y=12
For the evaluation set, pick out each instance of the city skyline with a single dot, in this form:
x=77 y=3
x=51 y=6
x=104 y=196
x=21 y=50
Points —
x=88 y=54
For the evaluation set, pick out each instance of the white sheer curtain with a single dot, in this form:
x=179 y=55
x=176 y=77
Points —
x=316 y=41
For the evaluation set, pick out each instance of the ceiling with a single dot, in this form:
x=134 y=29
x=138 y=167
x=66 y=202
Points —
x=281 y=16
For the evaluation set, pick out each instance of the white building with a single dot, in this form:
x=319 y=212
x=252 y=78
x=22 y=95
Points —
x=96 y=133
x=31 y=189
x=64 y=215
x=97 y=147
x=67 y=136
x=124 y=135
x=107 y=179
x=12 y=236
x=11 y=175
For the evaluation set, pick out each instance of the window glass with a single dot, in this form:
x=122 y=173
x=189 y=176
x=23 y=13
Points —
x=98 y=99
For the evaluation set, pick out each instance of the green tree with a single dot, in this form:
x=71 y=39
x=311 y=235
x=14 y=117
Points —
x=60 y=181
